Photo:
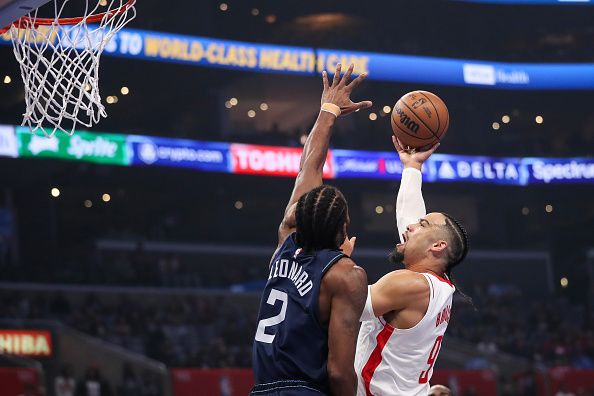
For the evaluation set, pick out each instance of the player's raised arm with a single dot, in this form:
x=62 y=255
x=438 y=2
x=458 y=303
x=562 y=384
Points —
x=335 y=102
x=410 y=206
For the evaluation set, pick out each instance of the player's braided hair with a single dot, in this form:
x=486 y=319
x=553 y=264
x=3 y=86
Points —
x=458 y=243
x=457 y=251
x=320 y=216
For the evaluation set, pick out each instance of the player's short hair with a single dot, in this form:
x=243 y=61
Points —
x=320 y=216
x=457 y=242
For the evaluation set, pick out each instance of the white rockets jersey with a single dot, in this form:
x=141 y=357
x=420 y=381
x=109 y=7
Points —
x=392 y=361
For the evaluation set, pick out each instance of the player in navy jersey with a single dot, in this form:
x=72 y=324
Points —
x=309 y=313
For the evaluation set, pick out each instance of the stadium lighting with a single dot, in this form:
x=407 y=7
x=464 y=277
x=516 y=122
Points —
x=303 y=139
x=88 y=203
x=270 y=18
x=495 y=126
x=387 y=109
x=238 y=205
x=505 y=119
x=379 y=209
x=223 y=7
x=549 y=208
x=7 y=79
x=255 y=11
x=125 y=90
x=55 y=192
x=110 y=100
x=564 y=282
x=233 y=101
x=525 y=211
x=263 y=106
x=106 y=197
x=251 y=113
x=372 y=116
x=103 y=3
x=228 y=104
x=539 y=119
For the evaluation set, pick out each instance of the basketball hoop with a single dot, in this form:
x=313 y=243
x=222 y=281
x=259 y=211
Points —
x=59 y=60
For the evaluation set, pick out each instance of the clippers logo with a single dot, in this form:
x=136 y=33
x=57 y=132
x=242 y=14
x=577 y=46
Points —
x=406 y=121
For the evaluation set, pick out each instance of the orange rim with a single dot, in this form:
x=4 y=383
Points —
x=27 y=21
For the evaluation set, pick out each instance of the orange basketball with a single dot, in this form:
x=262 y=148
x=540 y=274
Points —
x=420 y=119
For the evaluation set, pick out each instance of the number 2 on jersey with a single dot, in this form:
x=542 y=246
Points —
x=274 y=320
x=431 y=360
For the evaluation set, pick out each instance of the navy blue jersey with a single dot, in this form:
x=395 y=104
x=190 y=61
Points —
x=290 y=343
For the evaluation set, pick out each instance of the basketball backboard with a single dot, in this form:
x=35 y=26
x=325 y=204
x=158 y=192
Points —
x=11 y=10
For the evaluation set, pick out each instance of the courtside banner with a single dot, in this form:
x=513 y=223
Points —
x=461 y=168
x=439 y=167
x=34 y=343
x=205 y=156
x=271 y=160
x=8 y=142
x=366 y=164
x=266 y=58
x=559 y=170
x=100 y=148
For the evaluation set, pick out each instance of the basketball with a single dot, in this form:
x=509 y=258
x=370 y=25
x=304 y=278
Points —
x=420 y=119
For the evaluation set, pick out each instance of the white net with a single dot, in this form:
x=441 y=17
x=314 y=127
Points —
x=60 y=64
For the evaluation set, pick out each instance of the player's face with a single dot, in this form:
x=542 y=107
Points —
x=420 y=236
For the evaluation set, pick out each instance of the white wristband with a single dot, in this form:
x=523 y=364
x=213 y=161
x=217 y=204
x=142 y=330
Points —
x=331 y=108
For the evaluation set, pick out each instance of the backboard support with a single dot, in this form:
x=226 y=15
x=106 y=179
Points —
x=11 y=10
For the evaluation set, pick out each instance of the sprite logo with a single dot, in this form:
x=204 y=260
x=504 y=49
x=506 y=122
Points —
x=82 y=146
x=99 y=147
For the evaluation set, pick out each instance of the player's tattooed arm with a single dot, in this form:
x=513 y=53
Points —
x=315 y=150
x=348 y=283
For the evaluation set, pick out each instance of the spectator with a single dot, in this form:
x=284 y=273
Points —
x=130 y=385
x=93 y=384
x=64 y=384
x=563 y=391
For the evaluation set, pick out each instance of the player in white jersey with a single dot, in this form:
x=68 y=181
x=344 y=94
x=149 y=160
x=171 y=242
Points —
x=407 y=311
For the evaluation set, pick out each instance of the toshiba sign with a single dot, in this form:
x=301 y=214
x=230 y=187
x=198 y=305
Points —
x=34 y=343
x=269 y=160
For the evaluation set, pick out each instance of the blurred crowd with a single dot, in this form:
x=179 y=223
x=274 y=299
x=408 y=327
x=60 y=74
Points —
x=195 y=330
x=92 y=383
x=178 y=331
x=551 y=332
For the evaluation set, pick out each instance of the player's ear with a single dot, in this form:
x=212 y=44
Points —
x=439 y=246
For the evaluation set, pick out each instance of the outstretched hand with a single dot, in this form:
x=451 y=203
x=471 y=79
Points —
x=340 y=91
x=411 y=158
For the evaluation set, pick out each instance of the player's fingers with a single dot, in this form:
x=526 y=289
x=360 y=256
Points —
x=325 y=80
x=336 y=76
x=400 y=145
x=433 y=148
x=357 y=81
x=395 y=142
x=347 y=75
x=363 y=105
